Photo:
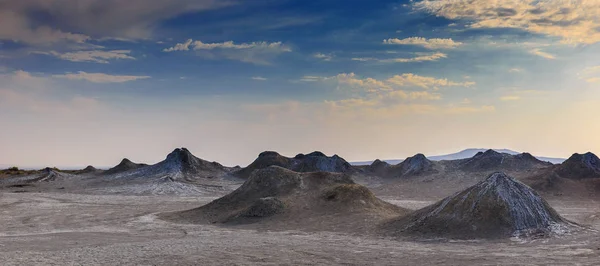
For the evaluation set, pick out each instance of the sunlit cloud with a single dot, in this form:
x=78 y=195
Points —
x=435 y=43
x=574 y=21
x=541 y=53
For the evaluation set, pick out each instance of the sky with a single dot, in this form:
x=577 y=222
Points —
x=89 y=82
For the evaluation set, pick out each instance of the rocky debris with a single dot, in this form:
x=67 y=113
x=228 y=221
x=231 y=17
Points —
x=312 y=162
x=278 y=198
x=491 y=160
x=496 y=207
x=124 y=166
x=580 y=166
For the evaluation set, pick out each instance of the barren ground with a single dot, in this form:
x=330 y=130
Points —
x=77 y=229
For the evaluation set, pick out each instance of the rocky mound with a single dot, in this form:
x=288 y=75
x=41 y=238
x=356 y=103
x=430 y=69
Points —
x=180 y=165
x=379 y=168
x=577 y=177
x=580 y=166
x=88 y=170
x=491 y=160
x=416 y=165
x=312 y=162
x=275 y=198
x=124 y=166
x=497 y=207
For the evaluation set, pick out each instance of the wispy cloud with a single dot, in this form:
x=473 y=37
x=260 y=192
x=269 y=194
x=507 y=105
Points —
x=420 y=57
x=254 y=52
x=515 y=70
x=396 y=81
x=96 y=56
x=510 y=98
x=199 y=45
x=435 y=43
x=259 y=78
x=590 y=74
x=541 y=53
x=324 y=57
x=100 y=77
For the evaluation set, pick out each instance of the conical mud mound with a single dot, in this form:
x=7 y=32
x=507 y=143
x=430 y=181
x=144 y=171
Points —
x=497 y=207
x=124 y=166
x=275 y=198
x=580 y=166
x=312 y=162
x=180 y=165
x=416 y=165
x=491 y=160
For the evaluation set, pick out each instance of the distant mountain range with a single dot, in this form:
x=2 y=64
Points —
x=468 y=153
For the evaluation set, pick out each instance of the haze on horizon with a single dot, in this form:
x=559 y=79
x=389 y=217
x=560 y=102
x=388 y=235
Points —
x=91 y=82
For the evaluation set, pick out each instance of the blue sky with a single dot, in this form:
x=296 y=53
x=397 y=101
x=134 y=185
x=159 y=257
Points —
x=89 y=82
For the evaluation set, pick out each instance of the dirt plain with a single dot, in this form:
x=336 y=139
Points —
x=54 y=228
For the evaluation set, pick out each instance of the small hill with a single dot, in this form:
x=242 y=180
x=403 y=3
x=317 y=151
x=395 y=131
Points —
x=491 y=160
x=580 y=166
x=124 y=166
x=180 y=165
x=497 y=207
x=85 y=171
x=378 y=168
x=577 y=177
x=312 y=162
x=276 y=198
x=412 y=166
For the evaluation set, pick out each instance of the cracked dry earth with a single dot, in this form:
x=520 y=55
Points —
x=75 y=229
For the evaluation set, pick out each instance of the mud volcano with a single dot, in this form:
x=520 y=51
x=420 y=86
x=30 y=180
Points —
x=498 y=207
x=124 y=166
x=180 y=165
x=491 y=160
x=275 y=198
x=312 y=162
x=580 y=166
x=412 y=166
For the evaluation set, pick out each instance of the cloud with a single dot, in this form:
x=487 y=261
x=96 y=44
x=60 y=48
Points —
x=199 y=45
x=324 y=57
x=409 y=79
x=434 y=43
x=593 y=80
x=97 y=56
x=590 y=74
x=22 y=91
x=99 y=77
x=40 y=22
x=541 y=53
x=364 y=59
x=510 y=98
x=515 y=70
x=259 y=78
x=420 y=58
x=574 y=21
x=254 y=52
x=396 y=81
